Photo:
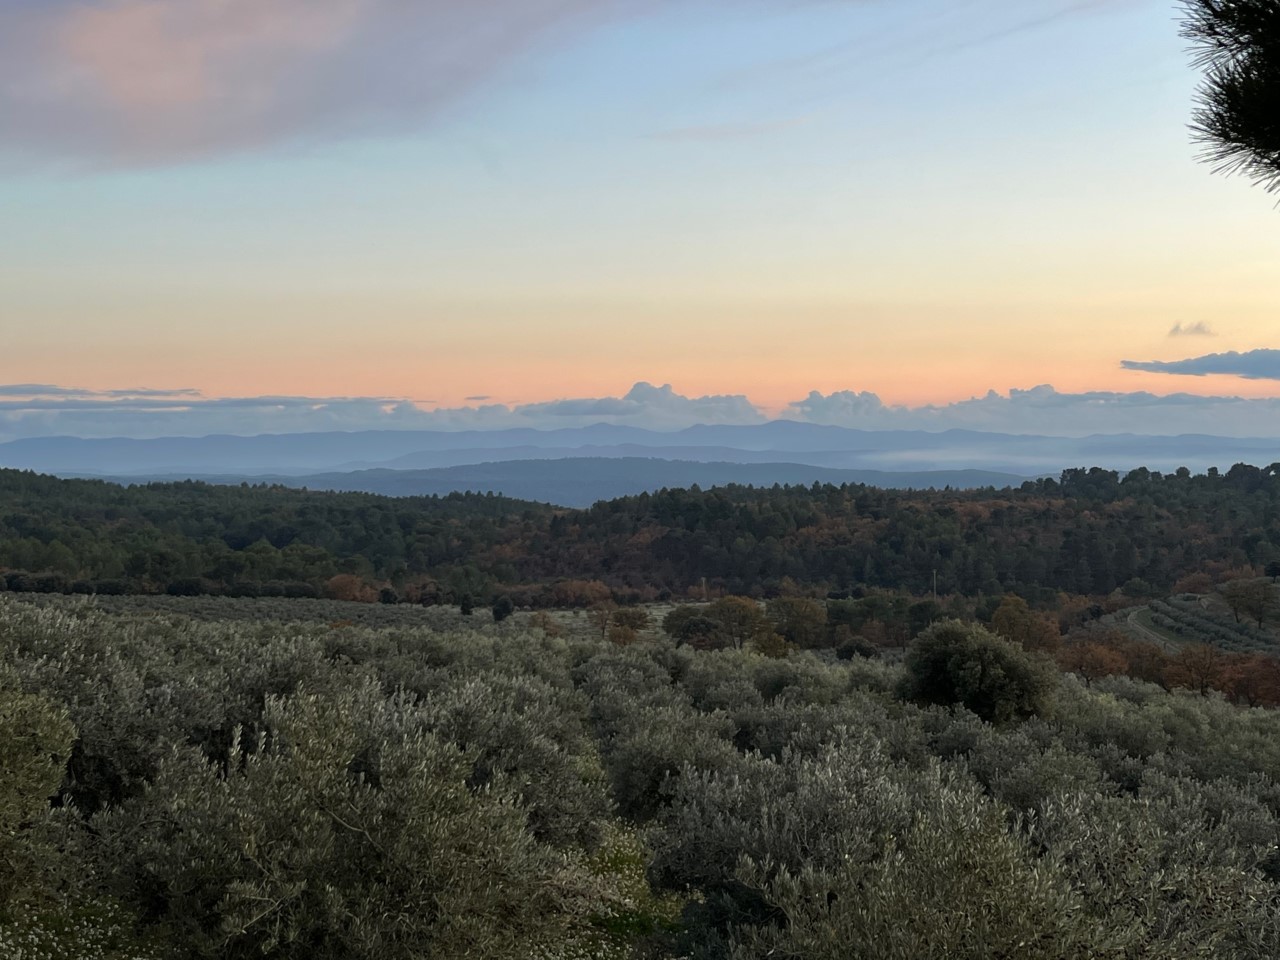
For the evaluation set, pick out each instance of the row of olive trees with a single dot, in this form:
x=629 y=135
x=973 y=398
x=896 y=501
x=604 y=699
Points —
x=852 y=627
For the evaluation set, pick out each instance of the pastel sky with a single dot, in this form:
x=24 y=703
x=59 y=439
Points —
x=531 y=200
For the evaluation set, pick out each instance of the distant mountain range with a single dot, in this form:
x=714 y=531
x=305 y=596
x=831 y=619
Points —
x=583 y=464
x=582 y=481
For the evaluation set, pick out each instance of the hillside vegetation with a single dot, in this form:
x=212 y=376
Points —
x=288 y=788
x=1088 y=533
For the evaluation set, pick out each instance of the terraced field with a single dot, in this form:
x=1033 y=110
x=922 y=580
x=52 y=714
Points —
x=1186 y=618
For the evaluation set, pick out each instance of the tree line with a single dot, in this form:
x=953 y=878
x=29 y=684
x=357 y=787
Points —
x=1088 y=532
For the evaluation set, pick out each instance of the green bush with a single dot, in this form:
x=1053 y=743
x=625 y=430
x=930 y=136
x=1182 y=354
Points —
x=35 y=741
x=344 y=831
x=958 y=663
x=267 y=777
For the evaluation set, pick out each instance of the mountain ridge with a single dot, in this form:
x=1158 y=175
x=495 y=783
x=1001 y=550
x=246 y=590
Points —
x=578 y=482
x=779 y=441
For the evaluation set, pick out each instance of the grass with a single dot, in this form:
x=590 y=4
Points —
x=1143 y=618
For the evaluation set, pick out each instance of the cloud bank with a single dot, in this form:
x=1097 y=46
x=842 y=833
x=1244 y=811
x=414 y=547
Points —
x=35 y=410
x=1251 y=365
x=1044 y=410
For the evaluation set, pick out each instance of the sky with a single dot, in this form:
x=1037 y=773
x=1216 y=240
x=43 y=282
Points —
x=258 y=215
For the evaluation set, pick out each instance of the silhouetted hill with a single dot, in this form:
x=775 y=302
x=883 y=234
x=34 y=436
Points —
x=582 y=481
x=900 y=451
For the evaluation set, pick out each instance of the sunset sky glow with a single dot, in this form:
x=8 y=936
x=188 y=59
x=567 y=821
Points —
x=924 y=199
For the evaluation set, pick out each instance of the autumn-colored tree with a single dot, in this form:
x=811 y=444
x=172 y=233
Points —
x=349 y=587
x=1075 y=611
x=622 y=635
x=1147 y=661
x=633 y=618
x=600 y=614
x=740 y=621
x=1016 y=621
x=1198 y=667
x=579 y=593
x=546 y=623
x=1224 y=574
x=1251 y=598
x=771 y=645
x=799 y=620
x=1254 y=680
x=1198 y=582
x=1092 y=660
x=875 y=633
x=423 y=591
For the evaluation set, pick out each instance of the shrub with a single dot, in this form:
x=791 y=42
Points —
x=847 y=854
x=689 y=624
x=632 y=618
x=343 y=832
x=957 y=663
x=799 y=620
x=35 y=741
x=503 y=607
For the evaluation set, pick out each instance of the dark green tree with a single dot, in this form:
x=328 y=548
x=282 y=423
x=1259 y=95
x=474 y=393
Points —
x=1237 y=118
x=960 y=663
x=688 y=624
x=503 y=607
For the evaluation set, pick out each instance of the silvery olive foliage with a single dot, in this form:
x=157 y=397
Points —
x=35 y=741
x=223 y=786
x=345 y=829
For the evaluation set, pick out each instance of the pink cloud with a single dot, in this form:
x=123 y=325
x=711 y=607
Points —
x=160 y=81
x=145 y=56
x=147 y=81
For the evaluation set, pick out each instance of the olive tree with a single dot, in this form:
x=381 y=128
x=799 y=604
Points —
x=345 y=829
x=958 y=663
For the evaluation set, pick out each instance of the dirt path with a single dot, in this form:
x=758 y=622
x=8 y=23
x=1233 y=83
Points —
x=1146 y=632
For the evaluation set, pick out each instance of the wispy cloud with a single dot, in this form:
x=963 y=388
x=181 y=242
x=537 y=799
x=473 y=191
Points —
x=714 y=132
x=1197 y=329
x=1250 y=365
x=129 y=82
x=47 y=391
x=965 y=27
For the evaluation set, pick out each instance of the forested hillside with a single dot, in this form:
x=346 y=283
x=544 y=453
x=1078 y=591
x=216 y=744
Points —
x=1089 y=533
